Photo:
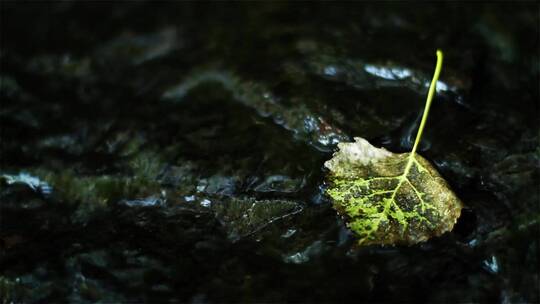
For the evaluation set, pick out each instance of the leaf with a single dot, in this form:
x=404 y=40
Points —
x=388 y=198
x=383 y=202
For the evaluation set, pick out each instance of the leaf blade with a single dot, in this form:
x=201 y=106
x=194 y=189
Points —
x=389 y=198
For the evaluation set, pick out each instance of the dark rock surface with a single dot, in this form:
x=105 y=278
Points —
x=173 y=152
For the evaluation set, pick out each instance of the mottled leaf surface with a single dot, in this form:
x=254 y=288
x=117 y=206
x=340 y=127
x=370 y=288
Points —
x=388 y=198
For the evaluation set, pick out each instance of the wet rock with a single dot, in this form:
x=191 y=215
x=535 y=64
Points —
x=280 y=184
x=10 y=87
x=244 y=217
x=363 y=75
x=30 y=181
x=250 y=125
x=146 y=202
x=136 y=49
x=216 y=184
x=305 y=125
x=517 y=171
x=65 y=65
x=310 y=252
x=26 y=288
x=182 y=176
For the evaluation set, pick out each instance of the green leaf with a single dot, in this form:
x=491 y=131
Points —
x=388 y=198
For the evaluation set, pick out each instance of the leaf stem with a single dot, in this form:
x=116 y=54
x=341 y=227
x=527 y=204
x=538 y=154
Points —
x=431 y=93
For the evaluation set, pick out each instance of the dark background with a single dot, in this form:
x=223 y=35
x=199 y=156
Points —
x=180 y=149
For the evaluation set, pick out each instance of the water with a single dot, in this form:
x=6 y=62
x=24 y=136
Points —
x=174 y=152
